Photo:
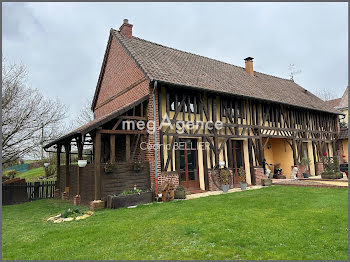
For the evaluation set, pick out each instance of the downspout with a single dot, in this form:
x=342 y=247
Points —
x=155 y=137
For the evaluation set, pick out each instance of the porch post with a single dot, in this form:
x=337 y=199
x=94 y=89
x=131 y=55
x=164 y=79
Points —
x=80 y=145
x=97 y=147
x=67 y=149
x=58 y=168
x=112 y=152
x=127 y=147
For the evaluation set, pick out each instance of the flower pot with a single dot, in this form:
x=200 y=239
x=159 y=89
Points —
x=266 y=182
x=243 y=185
x=225 y=188
x=179 y=194
x=82 y=163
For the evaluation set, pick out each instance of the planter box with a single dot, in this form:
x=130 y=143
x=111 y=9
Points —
x=180 y=194
x=337 y=175
x=129 y=200
x=266 y=182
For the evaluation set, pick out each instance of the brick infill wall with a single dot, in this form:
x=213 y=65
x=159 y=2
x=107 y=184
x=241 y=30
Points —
x=167 y=177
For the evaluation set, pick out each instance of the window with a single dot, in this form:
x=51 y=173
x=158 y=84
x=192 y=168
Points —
x=185 y=106
x=229 y=108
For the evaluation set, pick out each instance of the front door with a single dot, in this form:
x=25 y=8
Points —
x=238 y=158
x=189 y=164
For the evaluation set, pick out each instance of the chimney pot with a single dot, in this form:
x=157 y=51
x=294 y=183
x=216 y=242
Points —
x=126 y=29
x=249 y=65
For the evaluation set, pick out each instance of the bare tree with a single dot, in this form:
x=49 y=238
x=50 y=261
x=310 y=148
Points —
x=325 y=94
x=26 y=114
x=86 y=115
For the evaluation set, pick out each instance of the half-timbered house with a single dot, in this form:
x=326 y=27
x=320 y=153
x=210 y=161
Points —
x=261 y=116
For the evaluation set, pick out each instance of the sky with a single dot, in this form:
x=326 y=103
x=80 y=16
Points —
x=63 y=44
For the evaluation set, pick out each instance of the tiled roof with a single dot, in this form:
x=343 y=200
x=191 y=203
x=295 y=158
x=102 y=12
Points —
x=344 y=102
x=334 y=102
x=343 y=133
x=84 y=129
x=170 y=65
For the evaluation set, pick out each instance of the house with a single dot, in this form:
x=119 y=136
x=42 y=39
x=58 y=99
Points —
x=341 y=104
x=259 y=117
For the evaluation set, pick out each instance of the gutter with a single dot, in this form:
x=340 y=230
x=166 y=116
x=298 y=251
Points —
x=155 y=136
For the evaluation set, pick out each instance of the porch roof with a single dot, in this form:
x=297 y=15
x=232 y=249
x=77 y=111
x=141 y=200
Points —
x=90 y=126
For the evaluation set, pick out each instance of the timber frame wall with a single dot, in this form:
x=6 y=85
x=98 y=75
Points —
x=243 y=118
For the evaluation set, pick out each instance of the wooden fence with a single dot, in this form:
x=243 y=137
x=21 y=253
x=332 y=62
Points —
x=15 y=193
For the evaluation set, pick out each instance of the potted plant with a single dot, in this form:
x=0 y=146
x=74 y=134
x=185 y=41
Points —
x=137 y=166
x=109 y=167
x=242 y=178
x=168 y=191
x=225 y=179
x=303 y=165
x=180 y=193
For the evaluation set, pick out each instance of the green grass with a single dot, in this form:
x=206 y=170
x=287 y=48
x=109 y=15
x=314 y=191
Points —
x=32 y=174
x=270 y=223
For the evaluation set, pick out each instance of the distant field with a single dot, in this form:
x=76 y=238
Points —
x=33 y=174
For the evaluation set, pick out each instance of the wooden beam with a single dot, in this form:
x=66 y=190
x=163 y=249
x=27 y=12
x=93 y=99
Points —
x=97 y=157
x=250 y=150
x=67 y=149
x=58 y=166
x=132 y=118
x=127 y=148
x=123 y=132
x=112 y=148
x=135 y=146
x=205 y=164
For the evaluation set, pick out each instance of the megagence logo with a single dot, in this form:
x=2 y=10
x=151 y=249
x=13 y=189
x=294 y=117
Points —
x=178 y=125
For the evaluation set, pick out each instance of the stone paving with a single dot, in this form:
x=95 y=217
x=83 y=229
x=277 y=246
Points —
x=311 y=182
x=212 y=193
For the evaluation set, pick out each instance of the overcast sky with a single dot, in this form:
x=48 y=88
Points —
x=63 y=44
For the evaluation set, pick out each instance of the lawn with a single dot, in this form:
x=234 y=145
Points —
x=32 y=174
x=271 y=223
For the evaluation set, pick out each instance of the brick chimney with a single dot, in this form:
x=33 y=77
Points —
x=126 y=29
x=249 y=65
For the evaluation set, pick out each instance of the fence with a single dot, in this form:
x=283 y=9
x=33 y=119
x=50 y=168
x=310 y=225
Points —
x=15 y=193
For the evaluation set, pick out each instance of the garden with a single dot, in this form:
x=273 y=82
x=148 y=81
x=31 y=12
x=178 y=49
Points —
x=270 y=223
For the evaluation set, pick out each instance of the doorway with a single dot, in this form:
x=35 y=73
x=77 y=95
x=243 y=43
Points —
x=189 y=177
x=238 y=159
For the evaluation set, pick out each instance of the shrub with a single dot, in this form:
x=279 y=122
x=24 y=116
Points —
x=9 y=174
x=225 y=176
x=241 y=173
x=304 y=162
x=332 y=175
x=132 y=191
